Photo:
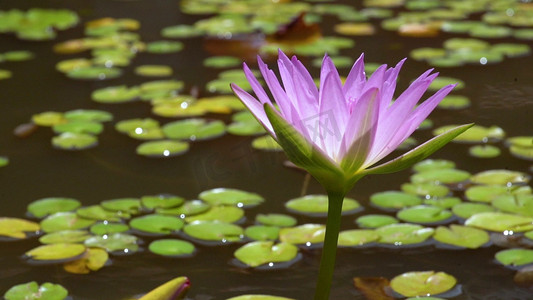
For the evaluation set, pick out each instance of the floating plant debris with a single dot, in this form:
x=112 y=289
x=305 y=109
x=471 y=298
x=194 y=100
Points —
x=424 y=283
x=29 y=290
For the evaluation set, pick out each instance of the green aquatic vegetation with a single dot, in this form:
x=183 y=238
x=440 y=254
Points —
x=48 y=206
x=393 y=200
x=277 y=220
x=357 y=237
x=515 y=257
x=65 y=236
x=461 y=236
x=262 y=233
x=233 y=197
x=17 y=228
x=423 y=283
x=32 y=290
x=466 y=210
x=317 y=205
x=162 y=148
x=172 y=248
x=375 y=221
x=306 y=234
x=194 y=129
x=74 y=141
x=258 y=253
x=116 y=243
x=484 y=151
x=54 y=253
x=37 y=24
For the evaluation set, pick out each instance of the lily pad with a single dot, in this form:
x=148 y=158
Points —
x=214 y=231
x=446 y=202
x=130 y=126
x=93 y=260
x=74 y=141
x=180 y=31
x=375 y=221
x=5 y=74
x=194 y=129
x=189 y=208
x=442 y=81
x=96 y=212
x=108 y=228
x=426 y=190
x=79 y=127
x=484 y=151
x=157 y=224
x=88 y=115
x=461 y=236
x=64 y=221
x=426 y=283
x=162 y=148
x=32 y=290
x=454 y=102
x=425 y=214
x=153 y=70
x=266 y=143
x=225 y=196
x=403 y=234
x=115 y=94
x=162 y=47
x=475 y=134
x=55 y=253
x=222 y=61
x=228 y=214
x=17 y=228
x=258 y=297
x=501 y=177
x=255 y=254
x=65 y=236
x=440 y=176
x=278 y=220
x=47 y=206
x=521 y=204
x=116 y=243
x=317 y=205
x=500 y=222
x=515 y=257
x=466 y=210
x=393 y=200
x=521 y=152
x=357 y=237
x=4 y=161
x=161 y=201
x=485 y=193
x=245 y=128
x=306 y=234
x=172 y=248
x=94 y=73
x=431 y=164
x=511 y=50
x=48 y=118
x=129 y=206
x=262 y=233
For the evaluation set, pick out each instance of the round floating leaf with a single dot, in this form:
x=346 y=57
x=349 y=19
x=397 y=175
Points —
x=156 y=224
x=524 y=34
x=94 y=73
x=68 y=65
x=5 y=74
x=305 y=234
x=353 y=29
x=56 y=252
x=47 y=206
x=245 y=128
x=466 y=210
x=136 y=125
x=122 y=242
x=442 y=81
x=225 y=196
x=228 y=214
x=424 y=214
x=115 y=94
x=521 y=152
x=427 y=53
x=48 y=118
x=484 y=151
x=153 y=70
x=64 y=221
x=432 y=164
x=163 y=148
x=440 y=176
x=108 y=228
x=515 y=257
x=262 y=233
x=426 y=190
x=511 y=50
x=521 y=204
x=447 y=202
x=4 y=161
x=485 y=193
x=357 y=237
x=278 y=220
x=93 y=260
x=454 y=102
x=403 y=234
x=426 y=283
x=189 y=208
x=461 y=236
x=65 y=236
x=161 y=47
x=500 y=177
x=172 y=248
x=214 y=231
x=475 y=134
x=394 y=200
x=375 y=221
x=255 y=254
x=194 y=129
x=317 y=205
x=17 y=228
x=490 y=31
x=497 y=221
x=79 y=127
x=266 y=143
x=88 y=115
x=521 y=141
x=74 y=141
x=128 y=206
x=222 y=61
x=96 y=212
x=161 y=201
x=20 y=55
x=465 y=44
x=180 y=31
x=32 y=290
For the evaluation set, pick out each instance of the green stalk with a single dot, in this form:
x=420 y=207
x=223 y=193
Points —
x=327 y=262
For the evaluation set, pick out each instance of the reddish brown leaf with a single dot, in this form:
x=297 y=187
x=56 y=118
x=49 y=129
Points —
x=373 y=288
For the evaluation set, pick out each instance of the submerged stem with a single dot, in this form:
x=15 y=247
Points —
x=327 y=261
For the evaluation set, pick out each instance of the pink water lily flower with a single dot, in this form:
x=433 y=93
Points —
x=345 y=128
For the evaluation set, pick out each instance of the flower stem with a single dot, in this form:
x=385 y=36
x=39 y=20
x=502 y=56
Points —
x=327 y=261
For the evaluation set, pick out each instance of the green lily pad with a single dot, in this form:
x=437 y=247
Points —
x=278 y=220
x=317 y=205
x=393 y=200
x=306 y=234
x=427 y=53
x=115 y=94
x=461 y=236
x=484 y=151
x=108 y=228
x=161 y=201
x=511 y=50
x=189 y=208
x=162 y=148
x=523 y=34
x=5 y=74
x=225 y=196
x=426 y=124
x=4 y=161
x=228 y=214
x=245 y=128
x=454 y=102
x=403 y=234
x=32 y=290
x=65 y=236
x=490 y=31
x=424 y=214
x=54 y=253
x=180 y=31
x=94 y=73
x=500 y=222
x=521 y=204
x=136 y=125
x=20 y=55
x=157 y=224
x=262 y=233
x=485 y=193
x=425 y=283
x=222 y=62
x=88 y=115
x=466 y=210
x=515 y=257
x=116 y=242
x=153 y=70
x=432 y=164
x=172 y=248
x=194 y=129
x=357 y=237
x=466 y=44
x=74 y=141
x=500 y=177
x=48 y=118
x=475 y=134
x=79 y=127
x=521 y=152
x=97 y=212
x=266 y=143
x=426 y=190
x=521 y=141
x=160 y=89
x=47 y=206
x=375 y=221
x=162 y=47
x=64 y=221
x=128 y=206
x=440 y=176
x=214 y=231
x=442 y=81
x=446 y=202
x=17 y=228
x=259 y=253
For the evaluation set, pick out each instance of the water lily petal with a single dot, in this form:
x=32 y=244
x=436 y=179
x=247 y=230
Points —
x=254 y=106
x=277 y=91
x=333 y=115
x=256 y=86
x=356 y=79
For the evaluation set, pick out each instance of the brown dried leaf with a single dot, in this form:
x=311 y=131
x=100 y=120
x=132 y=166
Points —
x=373 y=288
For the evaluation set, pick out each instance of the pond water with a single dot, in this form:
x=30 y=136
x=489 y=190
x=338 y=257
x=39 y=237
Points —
x=501 y=95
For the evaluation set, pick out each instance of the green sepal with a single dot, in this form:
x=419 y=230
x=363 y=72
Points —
x=304 y=154
x=419 y=153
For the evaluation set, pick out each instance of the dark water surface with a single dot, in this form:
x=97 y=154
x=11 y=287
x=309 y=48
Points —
x=502 y=94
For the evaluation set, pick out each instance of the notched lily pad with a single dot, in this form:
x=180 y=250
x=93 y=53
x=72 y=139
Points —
x=393 y=200
x=189 y=208
x=259 y=253
x=357 y=237
x=156 y=224
x=461 y=236
x=515 y=257
x=501 y=177
x=262 y=233
x=56 y=253
x=129 y=206
x=162 y=148
x=64 y=221
x=32 y=290
x=47 y=206
x=498 y=221
x=74 y=141
x=116 y=243
x=226 y=196
x=228 y=214
x=484 y=151
x=403 y=234
x=375 y=221
x=194 y=129
x=432 y=164
x=161 y=201
x=278 y=220
x=306 y=234
x=426 y=283
x=441 y=176
x=317 y=205
x=214 y=232
x=17 y=228
x=425 y=214
x=65 y=236
x=172 y=248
